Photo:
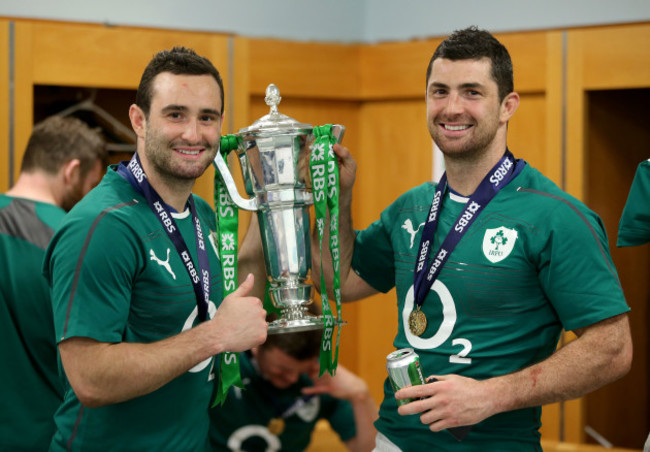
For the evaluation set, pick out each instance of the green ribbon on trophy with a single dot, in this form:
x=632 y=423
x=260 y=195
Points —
x=227 y=238
x=324 y=170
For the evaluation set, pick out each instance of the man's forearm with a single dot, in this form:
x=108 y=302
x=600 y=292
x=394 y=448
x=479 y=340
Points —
x=599 y=356
x=104 y=373
x=365 y=414
x=346 y=245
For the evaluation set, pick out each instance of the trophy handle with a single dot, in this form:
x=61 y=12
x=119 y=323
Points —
x=338 y=130
x=229 y=182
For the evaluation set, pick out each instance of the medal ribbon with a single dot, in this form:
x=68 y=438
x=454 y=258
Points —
x=227 y=238
x=324 y=170
x=134 y=173
x=498 y=177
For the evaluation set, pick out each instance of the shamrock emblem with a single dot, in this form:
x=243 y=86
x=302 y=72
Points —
x=499 y=239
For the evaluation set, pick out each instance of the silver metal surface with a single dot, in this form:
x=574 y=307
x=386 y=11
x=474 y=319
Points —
x=274 y=158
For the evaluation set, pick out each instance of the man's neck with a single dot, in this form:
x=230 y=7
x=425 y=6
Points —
x=174 y=192
x=465 y=175
x=36 y=187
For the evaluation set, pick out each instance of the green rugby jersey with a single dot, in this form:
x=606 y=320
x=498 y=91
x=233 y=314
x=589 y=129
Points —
x=534 y=261
x=634 y=226
x=32 y=390
x=241 y=423
x=117 y=277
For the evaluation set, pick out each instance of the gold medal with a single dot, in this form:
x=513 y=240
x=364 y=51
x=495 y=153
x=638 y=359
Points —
x=276 y=426
x=417 y=321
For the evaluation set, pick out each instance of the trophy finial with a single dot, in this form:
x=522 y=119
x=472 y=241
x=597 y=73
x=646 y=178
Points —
x=272 y=98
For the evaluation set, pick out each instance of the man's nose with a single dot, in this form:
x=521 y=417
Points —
x=454 y=104
x=191 y=132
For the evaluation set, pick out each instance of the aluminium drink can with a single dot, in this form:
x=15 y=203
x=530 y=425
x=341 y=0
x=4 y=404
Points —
x=404 y=370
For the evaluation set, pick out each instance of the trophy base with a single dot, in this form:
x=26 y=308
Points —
x=303 y=324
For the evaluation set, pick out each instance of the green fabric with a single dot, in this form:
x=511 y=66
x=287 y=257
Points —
x=240 y=424
x=32 y=390
x=550 y=269
x=116 y=277
x=323 y=166
x=634 y=226
x=227 y=239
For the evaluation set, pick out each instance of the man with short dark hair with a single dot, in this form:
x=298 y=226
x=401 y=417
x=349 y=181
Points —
x=283 y=399
x=63 y=160
x=136 y=279
x=505 y=261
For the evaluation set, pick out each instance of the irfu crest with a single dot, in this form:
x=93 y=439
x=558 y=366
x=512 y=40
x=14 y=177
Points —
x=498 y=243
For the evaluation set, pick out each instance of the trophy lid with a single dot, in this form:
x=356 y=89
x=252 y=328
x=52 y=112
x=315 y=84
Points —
x=275 y=123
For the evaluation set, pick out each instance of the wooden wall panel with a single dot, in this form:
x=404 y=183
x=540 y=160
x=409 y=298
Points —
x=615 y=57
x=529 y=52
x=97 y=56
x=4 y=106
x=398 y=70
x=618 y=140
x=526 y=131
x=23 y=91
x=395 y=70
x=310 y=70
x=395 y=154
x=606 y=58
x=599 y=58
x=238 y=102
x=110 y=57
x=554 y=110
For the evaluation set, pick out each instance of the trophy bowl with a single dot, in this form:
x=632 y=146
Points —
x=274 y=158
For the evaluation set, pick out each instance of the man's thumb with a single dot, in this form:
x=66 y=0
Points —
x=246 y=286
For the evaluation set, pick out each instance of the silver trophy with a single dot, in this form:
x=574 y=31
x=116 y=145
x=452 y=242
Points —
x=274 y=157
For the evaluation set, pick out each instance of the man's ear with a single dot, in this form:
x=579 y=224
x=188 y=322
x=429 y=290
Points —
x=71 y=172
x=138 y=120
x=509 y=106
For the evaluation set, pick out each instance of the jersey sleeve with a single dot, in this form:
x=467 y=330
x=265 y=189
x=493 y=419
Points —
x=372 y=259
x=634 y=225
x=90 y=265
x=576 y=269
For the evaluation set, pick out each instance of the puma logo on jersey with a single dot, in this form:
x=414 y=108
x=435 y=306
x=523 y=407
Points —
x=408 y=226
x=498 y=243
x=164 y=263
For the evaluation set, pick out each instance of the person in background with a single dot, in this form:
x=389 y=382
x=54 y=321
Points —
x=64 y=159
x=634 y=225
x=503 y=262
x=136 y=279
x=283 y=399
